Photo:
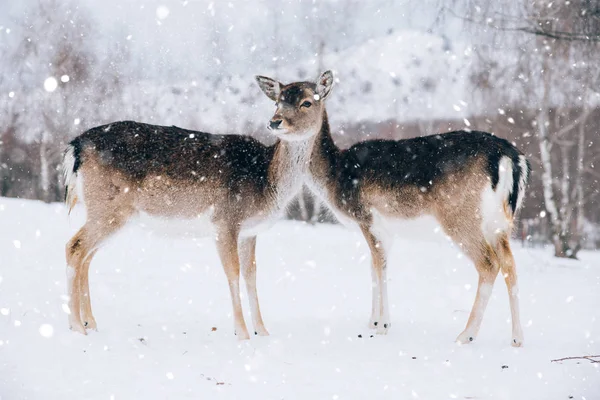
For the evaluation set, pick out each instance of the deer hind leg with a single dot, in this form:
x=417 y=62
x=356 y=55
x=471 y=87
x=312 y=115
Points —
x=487 y=267
x=507 y=266
x=227 y=246
x=247 y=252
x=466 y=232
x=378 y=244
x=79 y=252
x=89 y=322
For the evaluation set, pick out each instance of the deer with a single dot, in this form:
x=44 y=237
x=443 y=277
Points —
x=231 y=187
x=471 y=182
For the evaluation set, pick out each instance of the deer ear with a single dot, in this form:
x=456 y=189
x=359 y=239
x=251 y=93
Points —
x=325 y=84
x=269 y=86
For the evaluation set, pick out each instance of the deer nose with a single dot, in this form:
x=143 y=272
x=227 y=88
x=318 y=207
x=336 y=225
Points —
x=274 y=124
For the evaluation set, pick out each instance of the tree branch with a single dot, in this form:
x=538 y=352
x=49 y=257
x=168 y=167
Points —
x=581 y=118
x=592 y=172
x=589 y=358
x=560 y=35
x=582 y=37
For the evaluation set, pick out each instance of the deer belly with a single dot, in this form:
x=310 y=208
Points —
x=167 y=226
x=422 y=228
x=258 y=224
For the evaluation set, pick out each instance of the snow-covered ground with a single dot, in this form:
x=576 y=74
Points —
x=165 y=325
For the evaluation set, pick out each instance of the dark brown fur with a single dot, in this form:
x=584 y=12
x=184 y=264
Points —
x=460 y=178
x=169 y=172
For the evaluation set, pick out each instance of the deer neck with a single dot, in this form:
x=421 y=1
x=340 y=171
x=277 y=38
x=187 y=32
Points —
x=288 y=168
x=323 y=161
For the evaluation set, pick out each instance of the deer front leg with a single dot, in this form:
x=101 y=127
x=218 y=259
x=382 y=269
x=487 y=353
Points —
x=227 y=241
x=73 y=288
x=76 y=251
x=247 y=251
x=378 y=244
x=375 y=299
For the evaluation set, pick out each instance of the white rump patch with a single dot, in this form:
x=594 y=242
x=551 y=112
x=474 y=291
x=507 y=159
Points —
x=522 y=180
x=73 y=181
x=494 y=220
x=69 y=164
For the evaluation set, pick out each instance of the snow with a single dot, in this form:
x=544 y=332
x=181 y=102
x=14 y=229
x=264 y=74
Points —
x=165 y=323
x=50 y=84
x=162 y=12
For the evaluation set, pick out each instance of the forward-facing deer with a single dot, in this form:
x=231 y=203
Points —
x=472 y=182
x=227 y=185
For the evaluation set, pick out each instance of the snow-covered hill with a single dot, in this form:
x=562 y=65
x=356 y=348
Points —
x=165 y=326
x=405 y=76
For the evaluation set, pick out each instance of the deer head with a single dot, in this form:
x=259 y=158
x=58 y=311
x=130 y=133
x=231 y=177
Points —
x=300 y=106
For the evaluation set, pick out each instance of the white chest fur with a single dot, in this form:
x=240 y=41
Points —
x=292 y=166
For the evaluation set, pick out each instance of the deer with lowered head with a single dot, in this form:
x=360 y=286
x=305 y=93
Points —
x=472 y=183
x=229 y=186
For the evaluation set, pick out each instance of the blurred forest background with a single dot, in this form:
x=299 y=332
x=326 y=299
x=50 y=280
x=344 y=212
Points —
x=526 y=71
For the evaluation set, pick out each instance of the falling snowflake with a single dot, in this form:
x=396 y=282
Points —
x=46 y=330
x=162 y=12
x=50 y=84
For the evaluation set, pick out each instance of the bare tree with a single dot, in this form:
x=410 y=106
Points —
x=570 y=21
x=63 y=84
x=528 y=72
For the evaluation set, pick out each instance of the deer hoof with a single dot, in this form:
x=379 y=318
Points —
x=78 y=327
x=465 y=338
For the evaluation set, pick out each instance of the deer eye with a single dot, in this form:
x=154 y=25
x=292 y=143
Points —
x=306 y=104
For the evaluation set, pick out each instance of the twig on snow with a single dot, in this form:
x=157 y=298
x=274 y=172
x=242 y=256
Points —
x=589 y=358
